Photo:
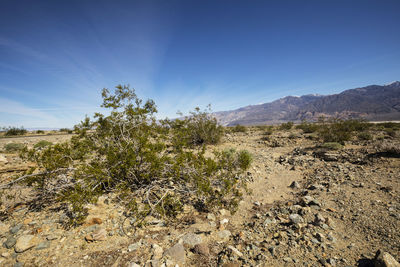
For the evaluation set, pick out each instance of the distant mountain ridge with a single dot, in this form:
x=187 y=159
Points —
x=373 y=102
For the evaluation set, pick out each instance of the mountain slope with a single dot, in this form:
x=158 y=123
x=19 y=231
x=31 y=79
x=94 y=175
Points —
x=372 y=102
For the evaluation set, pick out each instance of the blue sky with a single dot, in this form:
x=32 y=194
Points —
x=56 y=56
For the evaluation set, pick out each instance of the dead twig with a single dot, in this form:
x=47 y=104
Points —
x=34 y=174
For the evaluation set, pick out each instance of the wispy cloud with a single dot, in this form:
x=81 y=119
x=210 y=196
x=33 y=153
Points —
x=10 y=109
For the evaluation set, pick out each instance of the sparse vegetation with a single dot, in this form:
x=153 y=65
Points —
x=40 y=132
x=42 y=144
x=307 y=127
x=365 y=136
x=13 y=147
x=200 y=128
x=286 y=126
x=239 y=129
x=332 y=146
x=339 y=131
x=11 y=131
x=152 y=168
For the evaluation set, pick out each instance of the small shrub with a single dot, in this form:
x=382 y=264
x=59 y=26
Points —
x=339 y=131
x=239 y=129
x=365 y=136
x=307 y=127
x=10 y=131
x=332 y=146
x=200 y=128
x=286 y=126
x=64 y=130
x=42 y=144
x=40 y=132
x=269 y=130
x=14 y=147
x=391 y=132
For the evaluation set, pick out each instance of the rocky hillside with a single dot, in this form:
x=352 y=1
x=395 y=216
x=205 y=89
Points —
x=373 y=102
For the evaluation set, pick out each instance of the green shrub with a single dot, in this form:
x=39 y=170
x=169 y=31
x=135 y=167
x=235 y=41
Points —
x=40 y=132
x=307 y=127
x=140 y=160
x=337 y=130
x=200 y=128
x=286 y=126
x=10 y=131
x=269 y=130
x=13 y=147
x=332 y=146
x=239 y=129
x=42 y=144
x=365 y=136
x=390 y=132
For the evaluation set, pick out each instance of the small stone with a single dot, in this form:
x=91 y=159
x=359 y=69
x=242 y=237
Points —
x=93 y=221
x=98 y=235
x=43 y=245
x=294 y=185
x=25 y=242
x=177 y=253
x=190 y=240
x=10 y=242
x=202 y=249
x=211 y=217
x=235 y=251
x=332 y=262
x=384 y=259
x=296 y=218
x=18 y=264
x=51 y=237
x=134 y=246
x=133 y=264
x=16 y=228
x=157 y=251
x=224 y=212
x=224 y=234
x=223 y=221
x=287 y=259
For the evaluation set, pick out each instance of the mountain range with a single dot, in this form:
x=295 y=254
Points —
x=373 y=103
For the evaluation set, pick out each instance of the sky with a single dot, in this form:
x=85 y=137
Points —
x=57 y=55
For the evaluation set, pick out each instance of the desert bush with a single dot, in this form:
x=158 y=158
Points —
x=10 y=131
x=307 y=127
x=141 y=161
x=42 y=144
x=332 y=145
x=390 y=132
x=40 y=132
x=339 y=131
x=286 y=126
x=239 y=129
x=200 y=128
x=13 y=147
x=364 y=136
x=391 y=125
x=269 y=130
